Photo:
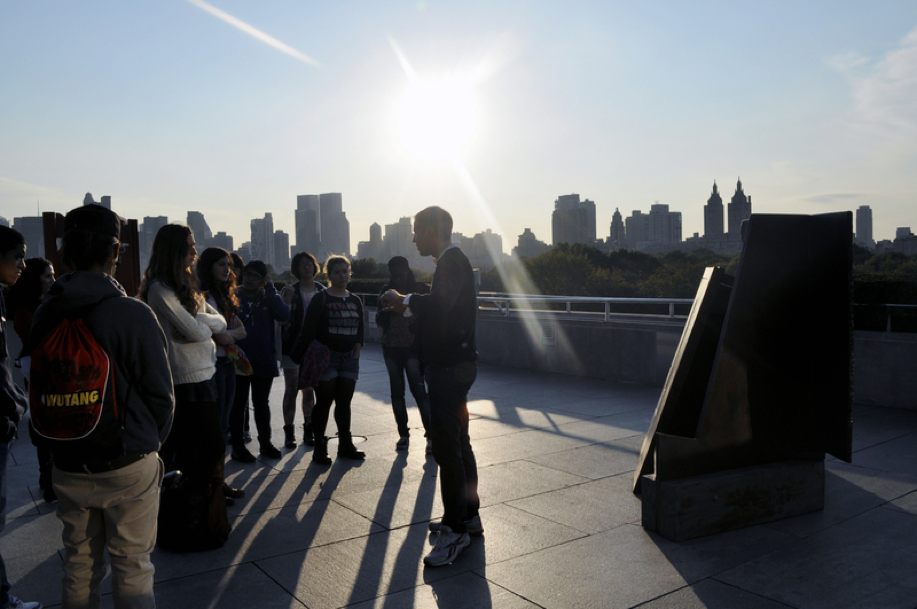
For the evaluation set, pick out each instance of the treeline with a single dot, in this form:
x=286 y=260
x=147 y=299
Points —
x=580 y=270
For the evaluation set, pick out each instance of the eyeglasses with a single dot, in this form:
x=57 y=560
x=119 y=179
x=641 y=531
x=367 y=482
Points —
x=254 y=276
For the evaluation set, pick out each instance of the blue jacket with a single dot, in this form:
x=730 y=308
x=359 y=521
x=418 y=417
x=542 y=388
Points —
x=258 y=315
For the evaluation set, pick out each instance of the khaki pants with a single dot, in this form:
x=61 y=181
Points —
x=116 y=510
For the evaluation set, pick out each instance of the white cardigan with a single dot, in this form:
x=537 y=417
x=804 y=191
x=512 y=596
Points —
x=193 y=359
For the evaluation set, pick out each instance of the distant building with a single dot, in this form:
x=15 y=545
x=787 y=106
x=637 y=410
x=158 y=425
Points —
x=573 y=221
x=864 y=227
x=105 y=202
x=739 y=211
x=262 y=245
x=484 y=250
x=32 y=229
x=713 y=214
x=203 y=236
x=308 y=224
x=245 y=253
x=335 y=228
x=281 y=251
x=4 y=222
x=148 y=229
x=617 y=235
x=665 y=225
x=375 y=247
x=905 y=242
x=529 y=246
x=637 y=229
x=223 y=240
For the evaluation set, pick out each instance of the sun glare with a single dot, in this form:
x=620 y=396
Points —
x=435 y=120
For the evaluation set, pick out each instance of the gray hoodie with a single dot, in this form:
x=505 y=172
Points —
x=128 y=331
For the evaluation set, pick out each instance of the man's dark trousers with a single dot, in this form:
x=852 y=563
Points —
x=448 y=388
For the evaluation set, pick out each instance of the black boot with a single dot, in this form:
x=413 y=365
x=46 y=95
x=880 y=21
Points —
x=346 y=449
x=290 y=437
x=307 y=438
x=320 y=454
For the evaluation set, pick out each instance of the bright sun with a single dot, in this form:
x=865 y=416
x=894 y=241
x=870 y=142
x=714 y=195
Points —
x=435 y=120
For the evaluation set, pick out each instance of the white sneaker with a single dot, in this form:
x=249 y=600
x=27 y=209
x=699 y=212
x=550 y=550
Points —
x=15 y=603
x=473 y=526
x=429 y=446
x=448 y=546
x=402 y=443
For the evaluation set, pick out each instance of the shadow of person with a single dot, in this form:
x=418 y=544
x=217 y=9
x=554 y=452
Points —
x=464 y=582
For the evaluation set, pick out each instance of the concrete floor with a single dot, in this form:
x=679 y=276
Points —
x=556 y=456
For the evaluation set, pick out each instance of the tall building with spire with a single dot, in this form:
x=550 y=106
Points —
x=713 y=214
x=617 y=237
x=739 y=210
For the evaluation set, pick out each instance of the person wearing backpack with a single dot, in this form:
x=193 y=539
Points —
x=12 y=400
x=107 y=484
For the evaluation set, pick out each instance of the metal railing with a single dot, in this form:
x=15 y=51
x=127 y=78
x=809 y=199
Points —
x=890 y=310
x=507 y=304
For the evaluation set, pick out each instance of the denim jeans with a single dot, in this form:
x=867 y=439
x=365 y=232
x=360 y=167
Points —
x=225 y=380
x=400 y=362
x=261 y=391
x=458 y=470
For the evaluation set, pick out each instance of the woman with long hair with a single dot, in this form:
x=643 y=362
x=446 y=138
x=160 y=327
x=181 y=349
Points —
x=25 y=296
x=195 y=446
x=336 y=320
x=297 y=296
x=218 y=283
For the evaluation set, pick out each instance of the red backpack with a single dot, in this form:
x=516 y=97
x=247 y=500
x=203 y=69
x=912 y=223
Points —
x=72 y=393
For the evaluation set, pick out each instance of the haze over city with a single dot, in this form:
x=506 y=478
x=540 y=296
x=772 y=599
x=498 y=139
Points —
x=490 y=109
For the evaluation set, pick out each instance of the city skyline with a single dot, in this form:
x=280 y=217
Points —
x=491 y=110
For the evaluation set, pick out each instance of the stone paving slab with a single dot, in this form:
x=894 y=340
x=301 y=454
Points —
x=562 y=529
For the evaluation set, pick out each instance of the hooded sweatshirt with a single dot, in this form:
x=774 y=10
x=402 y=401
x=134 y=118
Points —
x=128 y=331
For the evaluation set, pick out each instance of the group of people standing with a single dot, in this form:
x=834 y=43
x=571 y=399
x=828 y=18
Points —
x=176 y=354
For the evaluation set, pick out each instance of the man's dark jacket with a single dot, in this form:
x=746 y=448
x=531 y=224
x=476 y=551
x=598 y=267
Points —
x=447 y=314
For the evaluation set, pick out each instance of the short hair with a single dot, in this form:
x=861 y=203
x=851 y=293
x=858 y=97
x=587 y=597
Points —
x=334 y=260
x=9 y=239
x=437 y=218
x=90 y=232
x=297 y=260
x=258 y=266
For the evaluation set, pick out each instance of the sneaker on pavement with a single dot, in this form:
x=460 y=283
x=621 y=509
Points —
x=473 y=526
x=429 y=446
x=402 y=443
x=15 y=603
x=448 y=546
x=270 y=451
x=242 y=455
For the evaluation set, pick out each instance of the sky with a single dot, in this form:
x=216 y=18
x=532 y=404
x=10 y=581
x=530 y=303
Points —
x=491 y=109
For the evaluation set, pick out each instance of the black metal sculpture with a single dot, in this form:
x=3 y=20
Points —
x=763 y=374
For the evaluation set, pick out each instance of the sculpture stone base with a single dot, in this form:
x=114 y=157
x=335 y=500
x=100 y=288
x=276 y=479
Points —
x=712 y=503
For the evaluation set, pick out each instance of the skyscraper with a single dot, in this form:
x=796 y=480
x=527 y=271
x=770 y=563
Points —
x=308 y=224
x=32 y=230
x=637 y=228
x=617 y=237
x=739 y=210
x=573 y=221
x=203 y=236
x=281 y=251
x=221 y=239
x=335 y=228
x=713 y=214
x=664 y=225
x=148 y=230
x=263 y=239
x=864 y=227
